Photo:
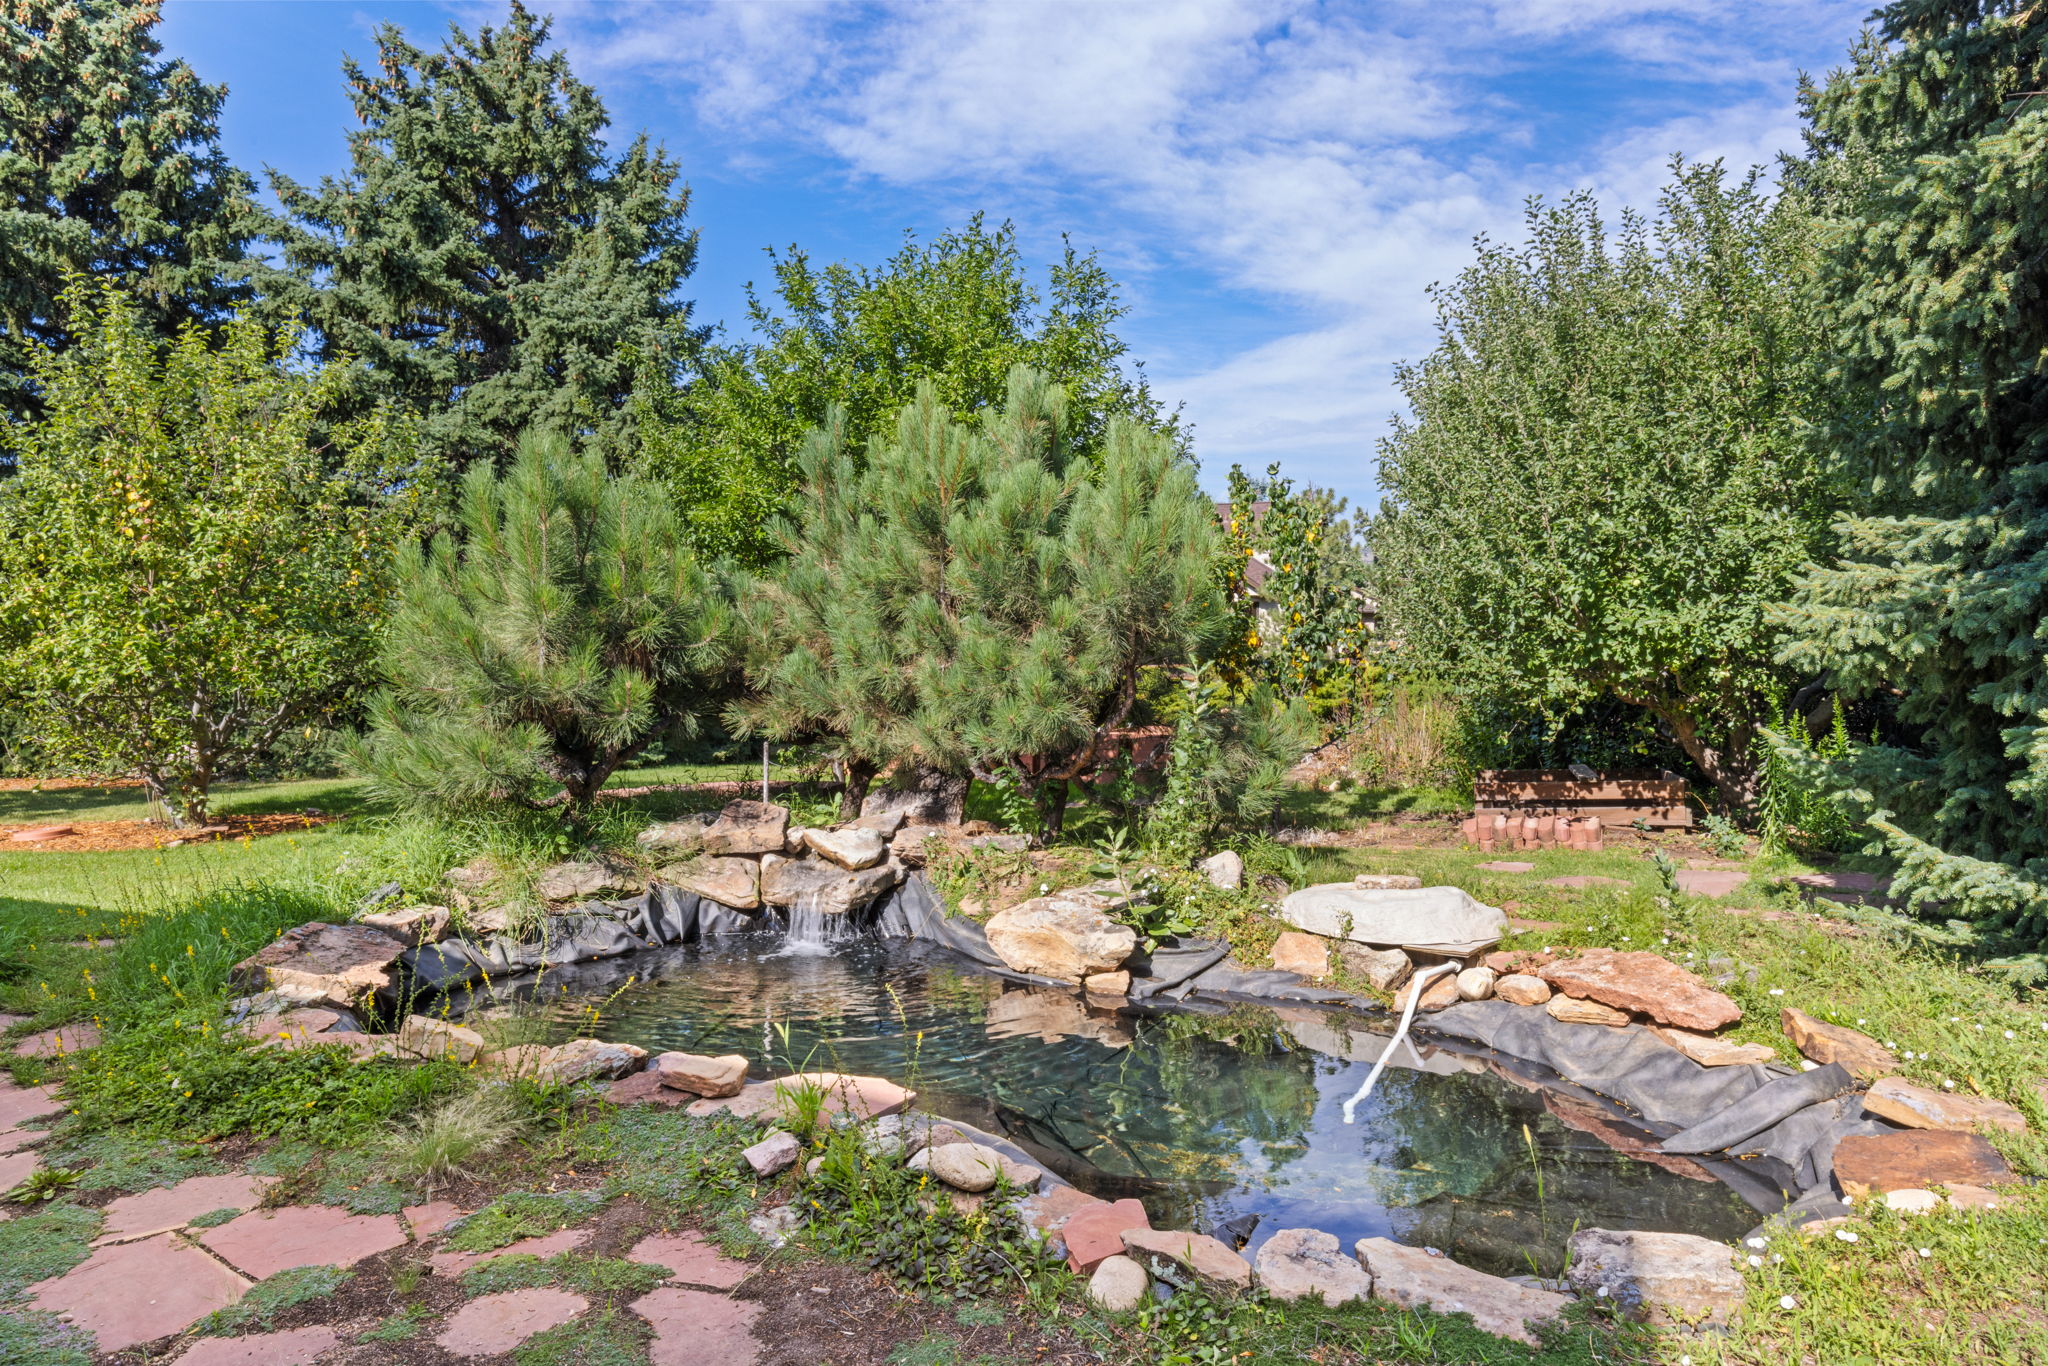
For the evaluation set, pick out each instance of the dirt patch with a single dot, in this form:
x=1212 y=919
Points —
x=95 y=837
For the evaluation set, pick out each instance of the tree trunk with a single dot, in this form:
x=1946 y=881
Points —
x=1052 y=809
x=860 y=775
x=1731 y=766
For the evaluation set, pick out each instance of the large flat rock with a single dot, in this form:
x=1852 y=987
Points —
x=131 y=1293
x=1915 y=1159
x=810 y=884
x=687 y=1257
x=1444 y=920
x=1306 y=1263
x=493 y=1324
x=1066 y=936
x=160 y=1211
x=338 y=963
x=1645 y=983
x=1409 y=1276
x=1821 y=1042
x=293 y=1348
x=746 y=827
x=1923 y=1107
x=1672 y=1280
x=698 y=1328
x=862 y=1097
x=265 y=1242
x=1196 y=1253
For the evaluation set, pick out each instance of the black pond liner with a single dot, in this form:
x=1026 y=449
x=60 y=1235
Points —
x=1765 y=1130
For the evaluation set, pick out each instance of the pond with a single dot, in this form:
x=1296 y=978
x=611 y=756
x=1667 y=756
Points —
x=1206 y=1118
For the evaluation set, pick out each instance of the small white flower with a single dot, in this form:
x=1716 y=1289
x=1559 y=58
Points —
x=1787 y=1302
x=1755 y=1260
x=1601 y=1293
x=1044 y=887
x=1777 y=1257
x=1889 y=1044
x=1777 y=991
x=1955 y=1019
x=1846 y=1235
x=1759 y=1243
x=2009 y=1034
x=1948 y=1086
x=1923 y=1057
x=1980 y=1029
x=1925 y=1251
x=1859 y=1019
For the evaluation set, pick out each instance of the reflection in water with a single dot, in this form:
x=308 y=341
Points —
x=1204 y=1117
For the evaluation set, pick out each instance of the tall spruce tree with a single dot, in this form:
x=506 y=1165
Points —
x=110 y=167
x=1933 y=286
x=980 y=600
x=487 y=257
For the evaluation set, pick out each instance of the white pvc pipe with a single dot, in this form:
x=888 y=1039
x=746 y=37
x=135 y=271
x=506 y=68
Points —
x=1415 y=986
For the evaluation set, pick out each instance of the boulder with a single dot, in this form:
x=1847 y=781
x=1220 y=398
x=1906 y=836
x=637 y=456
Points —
x=974 y=1168
x=1912 y=1201
x=1915 y=1159
x=1442 y=920
x=1672 y=1280
x=1224 y=870
x=1304 y=1263
x=1644 y=983
x=1920 y=1107
x=815 y=885
x=341 y=964
x=1304 y=955
x=1116 y=983
x=883 y=823
x=851 y=847
x=1409 y=1277
x=861 y=1097
x=1119 y=1285
x=423 y=1036
x=1520 y=989
x=1097 y=1232
x=1065 y=936
x=776 y=1153
x=1573 y=1011
x=1202 y=1256
x=700 y=1075
x=745 y=827
x=731 y=882
x=1388 y=882
x=1820 y=1042
x=1439 y=993
x=413 y=926
x=920 y=797
x=588 y=1060
x=1382 y=969
x=1709 y=1051
x=1476 y=984
x=672 y=838
x=585 y=878
x=474 y=876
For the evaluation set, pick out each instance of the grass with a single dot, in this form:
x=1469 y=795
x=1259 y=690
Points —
x=258 y=1309
x=607 y=1339
x=521 y=1214
x=448 y=1140
x=33 y=1338
x=605 y=1278
x=46 y=1243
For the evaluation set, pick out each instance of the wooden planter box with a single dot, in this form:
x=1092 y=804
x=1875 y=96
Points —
x=1659 y=798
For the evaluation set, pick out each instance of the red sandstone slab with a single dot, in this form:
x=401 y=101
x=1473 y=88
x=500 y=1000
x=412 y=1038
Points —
x=1916 y=1159
x=645 y=1088
x=138 y=1292
x=295 y=1348
x=429 y=1219
x=492 y=1324
x=38 y=834
x=698 y=1328
x=14 y=1169
x=1506 y=866
x=1093 y=1234
x=265 y=1242
x=18 y=1103
x=1048 y=1211
x=862 y=1097
x=52 y=1043
x=1708 y=881
x=551 y=1245
x=687 y=1257
x=160 y=1211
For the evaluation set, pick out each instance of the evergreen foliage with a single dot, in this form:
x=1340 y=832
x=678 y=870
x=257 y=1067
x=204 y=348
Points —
x=979 y=599
x=487 y=258
x=1932 y=283
x=956 y=313
x=1607 y=478
x=110 y=166
x=566 y=629
x=1228 y=765
x=192 y=557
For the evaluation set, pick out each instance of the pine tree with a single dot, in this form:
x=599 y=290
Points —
x=980 y=600
x=567 y=629
x=110 y=167
x=1933 y=286
x=956 y=313
x=496 y=268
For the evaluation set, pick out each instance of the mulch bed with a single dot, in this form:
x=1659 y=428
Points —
x=65 y=784
x=93 y=837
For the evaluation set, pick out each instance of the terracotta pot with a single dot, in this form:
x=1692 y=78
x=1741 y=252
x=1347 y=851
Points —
x=1546 y=829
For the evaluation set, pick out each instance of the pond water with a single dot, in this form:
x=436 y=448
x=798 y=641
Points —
x=1207 y=1118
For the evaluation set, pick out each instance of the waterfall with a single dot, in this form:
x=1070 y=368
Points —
x=810 y=932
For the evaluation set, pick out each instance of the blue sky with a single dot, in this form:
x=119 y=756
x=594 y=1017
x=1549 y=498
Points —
x=1276 y=184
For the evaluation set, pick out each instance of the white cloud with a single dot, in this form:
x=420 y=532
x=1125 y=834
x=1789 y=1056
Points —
x=1332 y=163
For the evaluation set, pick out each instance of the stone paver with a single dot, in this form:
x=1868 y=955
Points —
x=265 y=1242
x=1097 y=1232
x=50 y=1043
x=295 y=1348
x=429 y=1219
x=14 y=1169
x=497 y=1323
x=160 y=1211
x=1509 y=865
x=553 y=1244
x=697 y=1328
x=1708 y=881
x=1915 y=1159
x=1581 y=881
x=18 y=1103
x=138 y=1292
x=687 y=1257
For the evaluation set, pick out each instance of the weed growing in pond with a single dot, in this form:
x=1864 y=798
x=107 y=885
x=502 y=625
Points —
x=259 y=1308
